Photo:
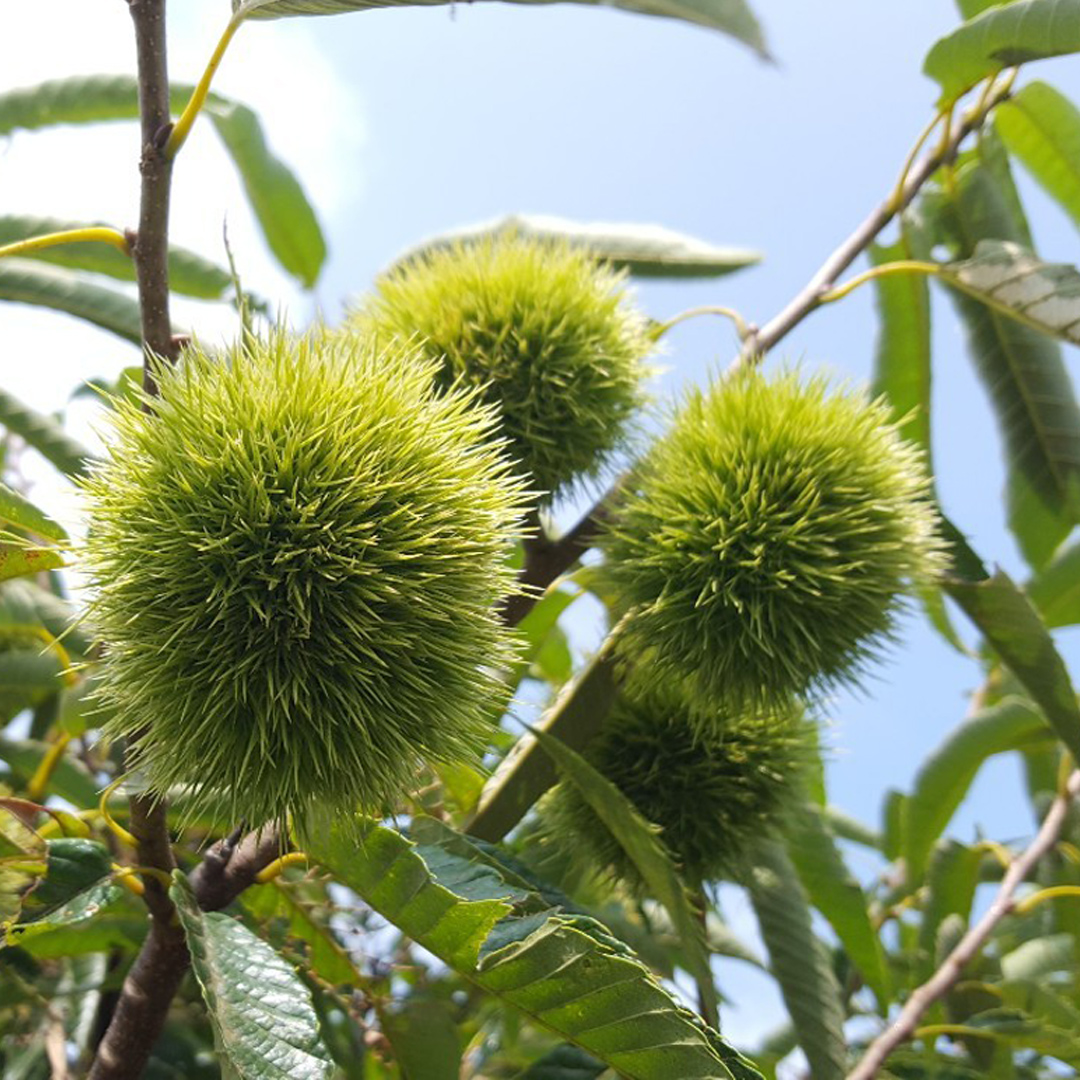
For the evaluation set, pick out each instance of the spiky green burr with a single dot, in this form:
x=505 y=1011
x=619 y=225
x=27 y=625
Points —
x=769 y=539
x=295 y=552
x=711 y=795
x=547 y=334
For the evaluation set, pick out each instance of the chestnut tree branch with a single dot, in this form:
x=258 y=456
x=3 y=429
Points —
x=951 y=970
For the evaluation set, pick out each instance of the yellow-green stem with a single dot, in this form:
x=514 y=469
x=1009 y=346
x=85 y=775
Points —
x=294 y=858
x=741 y=326
x=182 y=127
x=39 y=782
x=898 y=192
x=116 y=829
x=903 y=266
x=1050 y=893
x=94 y=234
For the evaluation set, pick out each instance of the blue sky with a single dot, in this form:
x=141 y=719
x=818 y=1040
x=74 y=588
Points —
x=404 y=122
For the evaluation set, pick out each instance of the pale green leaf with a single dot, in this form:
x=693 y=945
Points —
x=1001 y=37
x=643 y=250
x=264 y=1022
x=565 y=972
x=25 y=281
x=946 y=775
x=19 y=561
x=732 y=17
x=799 y=961
x=43 y=434
x=1040 y=956
x=836 y=893
x=22 y=862
x=16 y=509
x=189 y=274
x=1055 y=589
x=22 y=603
x=1041 y=127
x=645 y=849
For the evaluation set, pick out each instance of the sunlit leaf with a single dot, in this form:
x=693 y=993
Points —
x=19 y=561
x=43 y=434
x=17 y=510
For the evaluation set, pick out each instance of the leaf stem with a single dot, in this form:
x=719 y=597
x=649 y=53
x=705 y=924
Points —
x=742 y=328
x=96 y=234
x=901 y=266
x=182 y=127
x=43 y=773
x=268 y=873
x=1050 y=893
x=906 y=1024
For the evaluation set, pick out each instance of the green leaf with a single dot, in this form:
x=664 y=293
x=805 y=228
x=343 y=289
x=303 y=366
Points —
x=1001 y=37
x=970 y=8
x=836 y=893
x=73 y=867
x=22 y=603
x=846 y=827
x=16 y=509
x=902 y=359
x=648 y=251
x=277 y=199
x=732 y=17
x=1013 y=628
x=1018 y=1029
x=22 y=862
x=1041 y=127
x=278 y=900
x=1055 y=589
x=424 y=1038
x=527 y=771
x=1026 y=379
x=1040 y=956
x=564 y=971
x=189 y=274
x=641 y=842
x=1009 y=279
x=264 y=1022
x=27 y=282
x=18 y=561
x=45 y=435
x=564 y=1063
x=799 y=961
x=63 y=931
x=951 y=879
x=945 y=776
x=70 y=779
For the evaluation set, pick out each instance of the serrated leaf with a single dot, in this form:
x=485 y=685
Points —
x=645 y=849
x=189 y=274
x=1013 y=628
x=18 y=561
x=836 y=893
x=45 y=435
x=71 y=918
x=264 y=1022
x=731 y=17
x=1008 y=278
x=17 y=510
x=527 y=771
x=27 y=282
x=277 y=199
x=646 y=251
x=1026 y=379
x=1041 y=127
x=565 y=972
x=73 y=866
x=1001 y=37
x=799 y=961
x=945 y=776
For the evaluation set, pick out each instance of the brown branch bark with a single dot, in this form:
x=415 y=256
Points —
x=951 y=970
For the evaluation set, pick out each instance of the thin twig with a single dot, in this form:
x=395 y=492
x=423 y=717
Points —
x=946 y=976
x=810 y=297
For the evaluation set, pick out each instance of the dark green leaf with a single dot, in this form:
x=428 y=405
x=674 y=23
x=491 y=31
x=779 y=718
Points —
x=1001 y=37
x=1041 y=127
x=189 y=274
x=834 y=891
x=951 y=879
x=945 y=776
x=1013 y=628
x=264 y=1022
x=28 y=675
x=27 y=282
x=644 y=250
x=799 y=961
x=43 y=434
x=527 y=772
x=564 y=1063
x=732 y=17
x=565 y=972
x=424 y=1038
x=63 y=931
x=641 y=842
x=1025 y=376
x=73 y=866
